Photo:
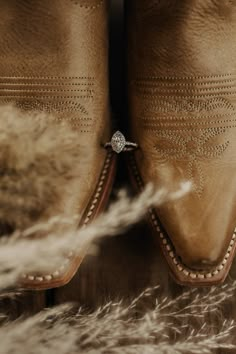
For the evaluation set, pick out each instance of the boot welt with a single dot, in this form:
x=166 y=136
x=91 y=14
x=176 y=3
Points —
x=182 y=274
x=61 y=276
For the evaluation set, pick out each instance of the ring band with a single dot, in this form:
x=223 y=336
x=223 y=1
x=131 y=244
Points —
x=119 y=144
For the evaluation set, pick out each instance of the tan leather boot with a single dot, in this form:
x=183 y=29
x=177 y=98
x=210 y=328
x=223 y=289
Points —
x=54 y=58
x=182 y=96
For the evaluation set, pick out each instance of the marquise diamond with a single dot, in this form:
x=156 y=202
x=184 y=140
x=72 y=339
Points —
x=118 y=142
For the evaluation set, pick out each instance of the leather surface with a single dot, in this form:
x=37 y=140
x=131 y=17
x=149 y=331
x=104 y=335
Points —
x=182 y=97
x=54 y=58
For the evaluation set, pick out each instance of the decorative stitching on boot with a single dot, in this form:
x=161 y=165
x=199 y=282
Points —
x=193 y=149
x=190 y=105
x=188 y=78
x=169 y=248
x=71 y=255
x=188 y=123
x=53 y=95
x=78 y=2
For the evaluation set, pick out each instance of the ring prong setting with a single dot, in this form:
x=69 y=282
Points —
x=118 y=142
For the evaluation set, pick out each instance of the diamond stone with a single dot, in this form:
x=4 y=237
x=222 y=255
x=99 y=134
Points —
x=118 y=142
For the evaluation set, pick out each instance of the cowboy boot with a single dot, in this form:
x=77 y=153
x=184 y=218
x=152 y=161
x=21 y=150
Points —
x=54 y=59
x=182 y=96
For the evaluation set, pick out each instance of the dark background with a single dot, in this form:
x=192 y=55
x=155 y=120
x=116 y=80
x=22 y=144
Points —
x=117 y=63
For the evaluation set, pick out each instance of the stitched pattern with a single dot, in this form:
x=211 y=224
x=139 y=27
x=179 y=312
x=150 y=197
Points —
x=190 y=118
x=85 y=3
x=145 y=92
x=66 y=97
x=184 y=83
x=198 y=107
x=37 y=279
x=42 y=78
x=192 y=148
x=185 y=86
x=152 y=126
x=186 y=78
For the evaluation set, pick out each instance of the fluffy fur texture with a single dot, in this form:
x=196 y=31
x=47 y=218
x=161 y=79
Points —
x=168 y=326
x=38 y=160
